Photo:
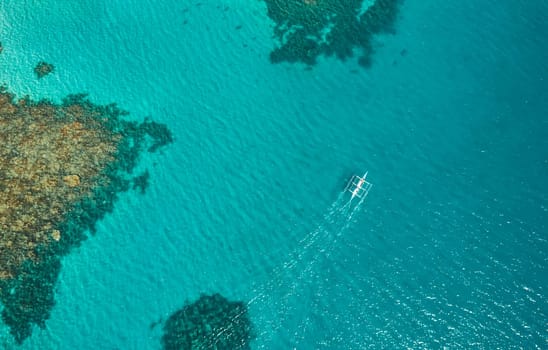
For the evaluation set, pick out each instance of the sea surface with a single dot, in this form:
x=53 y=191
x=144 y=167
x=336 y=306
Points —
x=451 y=120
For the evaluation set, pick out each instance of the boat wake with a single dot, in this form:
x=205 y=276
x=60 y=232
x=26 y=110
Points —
x=298 y=283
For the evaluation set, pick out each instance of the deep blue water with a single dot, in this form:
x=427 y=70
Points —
x=449 y=249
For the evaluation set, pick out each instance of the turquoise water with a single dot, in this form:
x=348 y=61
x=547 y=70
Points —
x=450 y=247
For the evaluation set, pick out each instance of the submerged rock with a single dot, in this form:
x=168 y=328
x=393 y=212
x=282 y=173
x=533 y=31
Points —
x=307 y=29
x=61 y=169
x=71 y=180
x=42 y=69
x=211 y=322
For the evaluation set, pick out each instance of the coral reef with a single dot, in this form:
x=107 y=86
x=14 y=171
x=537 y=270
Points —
x=211 y=322
x=61 y=169
x=42 y=69
x=306 y=29
x=141 y=182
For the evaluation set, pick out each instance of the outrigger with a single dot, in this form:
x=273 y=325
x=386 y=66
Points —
x=358 y=186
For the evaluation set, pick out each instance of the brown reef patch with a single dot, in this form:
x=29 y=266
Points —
x=43 y=147
x=61 y=168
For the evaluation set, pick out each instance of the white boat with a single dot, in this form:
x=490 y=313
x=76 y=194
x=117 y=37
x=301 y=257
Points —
x=358 y=186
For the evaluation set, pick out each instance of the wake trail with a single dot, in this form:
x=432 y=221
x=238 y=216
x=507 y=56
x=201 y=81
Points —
x=275 y=300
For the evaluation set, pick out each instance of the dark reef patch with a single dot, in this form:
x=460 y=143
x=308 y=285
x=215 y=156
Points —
x=141 y=182
x=307 y=29
x=211 y=322
x=42 y=69
x=62 y=167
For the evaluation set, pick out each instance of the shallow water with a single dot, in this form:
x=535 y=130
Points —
x=449 y=249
